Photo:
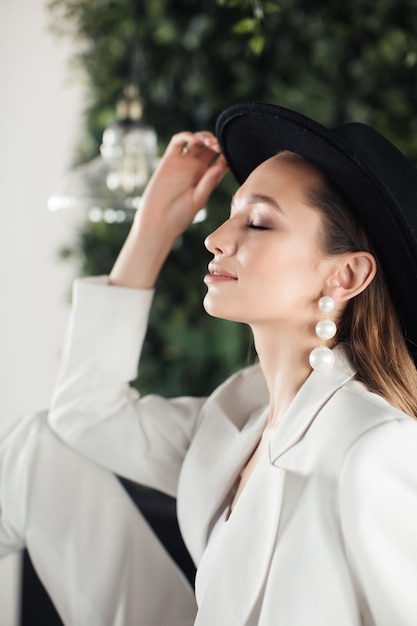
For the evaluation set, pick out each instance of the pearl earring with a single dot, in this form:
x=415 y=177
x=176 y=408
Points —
x=322 y=358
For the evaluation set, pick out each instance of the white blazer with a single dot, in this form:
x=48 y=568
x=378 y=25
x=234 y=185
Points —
x=95 y=554
x=325 y=531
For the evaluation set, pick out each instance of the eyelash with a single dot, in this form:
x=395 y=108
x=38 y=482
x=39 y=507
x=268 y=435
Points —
x=256 y=227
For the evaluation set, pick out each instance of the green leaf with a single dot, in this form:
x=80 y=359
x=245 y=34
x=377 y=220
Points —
x=271 y=7
x=257 y=44
x=245 y=26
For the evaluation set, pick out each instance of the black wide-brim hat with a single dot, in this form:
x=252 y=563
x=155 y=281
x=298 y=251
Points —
x=377 y=180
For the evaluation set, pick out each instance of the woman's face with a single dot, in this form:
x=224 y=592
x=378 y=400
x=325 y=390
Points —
x=268 y=266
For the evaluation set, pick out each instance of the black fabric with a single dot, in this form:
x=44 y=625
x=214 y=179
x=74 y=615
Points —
x=35 y=605
x=160 y=511
x=378 y=181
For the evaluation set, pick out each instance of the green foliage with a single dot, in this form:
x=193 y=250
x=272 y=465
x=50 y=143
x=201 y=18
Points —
x=333 y=61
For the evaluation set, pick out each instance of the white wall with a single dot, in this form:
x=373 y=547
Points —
x=39 y=127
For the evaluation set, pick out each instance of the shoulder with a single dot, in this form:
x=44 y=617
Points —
x=353 y=422
x=381 y=451
x=359 y=412
x=384 y=447
x=377 y=509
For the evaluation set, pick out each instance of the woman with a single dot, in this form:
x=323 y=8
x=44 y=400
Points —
x=296 y=479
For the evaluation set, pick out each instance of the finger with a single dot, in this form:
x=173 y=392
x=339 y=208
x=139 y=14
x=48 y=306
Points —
x=209 y=140
x=202 y=152
x=209 y=181
x=178 y=141
x=193 y=144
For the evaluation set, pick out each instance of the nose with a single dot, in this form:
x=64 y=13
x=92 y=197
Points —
x=221 y=240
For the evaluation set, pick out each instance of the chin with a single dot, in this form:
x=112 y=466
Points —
x=210 y=308
x=214 y=310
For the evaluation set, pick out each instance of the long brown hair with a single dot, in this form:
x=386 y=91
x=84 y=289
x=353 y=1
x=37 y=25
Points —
x=369 y=325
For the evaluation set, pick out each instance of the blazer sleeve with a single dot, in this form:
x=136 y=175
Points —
x=95 y=553
x=378 y=507
x=95 y=410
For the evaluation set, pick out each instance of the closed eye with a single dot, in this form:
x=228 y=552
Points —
x=257 y=227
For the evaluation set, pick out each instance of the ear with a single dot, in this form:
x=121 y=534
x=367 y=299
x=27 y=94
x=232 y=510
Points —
x=353 y=273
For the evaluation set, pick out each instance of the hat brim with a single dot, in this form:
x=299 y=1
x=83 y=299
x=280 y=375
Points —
x=376 y=179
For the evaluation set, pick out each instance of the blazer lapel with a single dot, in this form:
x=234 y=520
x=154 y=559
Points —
x=210 y=471
x=242 y=560
x=232 y=422
x=316 y=391
x=220 y=448
x=241 y=563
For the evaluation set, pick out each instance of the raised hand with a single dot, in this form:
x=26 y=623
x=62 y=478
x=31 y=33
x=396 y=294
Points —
x=181 y=185
x=187 y=174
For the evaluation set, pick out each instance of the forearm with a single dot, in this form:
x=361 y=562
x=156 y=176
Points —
x=101 y=352
x=142 y=256
x=95 y=411
x=93 y=407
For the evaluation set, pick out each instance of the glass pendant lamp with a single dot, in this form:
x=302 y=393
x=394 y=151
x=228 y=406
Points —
x=110 y=186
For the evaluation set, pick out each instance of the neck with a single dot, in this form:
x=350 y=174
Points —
x=285 y=365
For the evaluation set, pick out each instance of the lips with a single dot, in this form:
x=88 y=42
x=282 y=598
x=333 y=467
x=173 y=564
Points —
x=217 y=274
x=217 y=270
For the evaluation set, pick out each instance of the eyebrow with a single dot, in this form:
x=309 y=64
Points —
x=259 y=198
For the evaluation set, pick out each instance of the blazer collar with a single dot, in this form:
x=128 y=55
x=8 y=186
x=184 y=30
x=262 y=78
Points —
x=232 y=422
x=241 y=563
x=240 y=567
x=316 y=391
